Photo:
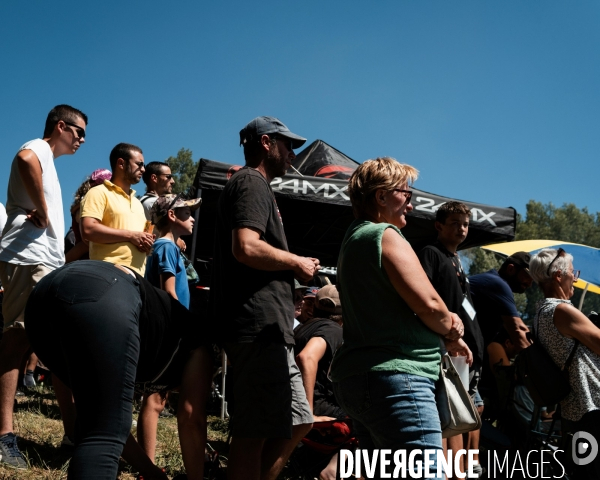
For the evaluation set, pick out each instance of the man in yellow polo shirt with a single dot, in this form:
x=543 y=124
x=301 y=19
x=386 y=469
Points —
x=112 y=219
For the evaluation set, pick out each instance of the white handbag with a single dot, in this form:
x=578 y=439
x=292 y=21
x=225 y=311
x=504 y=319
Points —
x=457 y=411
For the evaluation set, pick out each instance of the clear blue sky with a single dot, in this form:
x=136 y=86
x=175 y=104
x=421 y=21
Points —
x=494 y=102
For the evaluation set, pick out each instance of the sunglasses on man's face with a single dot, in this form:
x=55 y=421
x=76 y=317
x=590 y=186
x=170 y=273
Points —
x=287 y=142
x=78 y=130
x=168 y=175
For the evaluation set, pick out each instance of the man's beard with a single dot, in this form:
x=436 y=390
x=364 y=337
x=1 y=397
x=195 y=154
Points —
x=514 y=284
x=132 y=178
x=275 y=164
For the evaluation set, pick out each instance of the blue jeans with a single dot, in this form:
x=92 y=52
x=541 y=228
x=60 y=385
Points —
x=391 y=410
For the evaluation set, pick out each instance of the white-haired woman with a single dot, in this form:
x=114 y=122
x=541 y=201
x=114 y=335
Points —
x=384 y=373
x=560 y=327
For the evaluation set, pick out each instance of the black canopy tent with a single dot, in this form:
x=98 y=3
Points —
x=316 y=211
x=320 y=159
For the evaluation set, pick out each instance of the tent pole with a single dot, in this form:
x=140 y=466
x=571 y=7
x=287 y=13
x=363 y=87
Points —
x=587 y=285
x=292 y=167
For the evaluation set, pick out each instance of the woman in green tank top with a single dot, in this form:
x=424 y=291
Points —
x=384 y=373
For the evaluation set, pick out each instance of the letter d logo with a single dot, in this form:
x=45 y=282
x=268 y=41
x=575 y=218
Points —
x=584 y=448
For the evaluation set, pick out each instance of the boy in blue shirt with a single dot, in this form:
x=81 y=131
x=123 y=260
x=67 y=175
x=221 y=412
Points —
x=172 y=217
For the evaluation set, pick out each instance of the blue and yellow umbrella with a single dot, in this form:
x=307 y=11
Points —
x=586 y=259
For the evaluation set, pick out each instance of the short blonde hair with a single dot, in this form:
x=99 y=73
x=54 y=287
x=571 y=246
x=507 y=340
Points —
x=384 y=173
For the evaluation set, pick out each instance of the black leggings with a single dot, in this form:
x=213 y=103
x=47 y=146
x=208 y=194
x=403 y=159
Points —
x=82 y=321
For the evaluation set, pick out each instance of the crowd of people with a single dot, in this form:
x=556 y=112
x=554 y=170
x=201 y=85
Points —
x=111 y=318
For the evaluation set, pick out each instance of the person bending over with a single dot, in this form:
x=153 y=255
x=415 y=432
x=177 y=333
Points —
x=133 y=335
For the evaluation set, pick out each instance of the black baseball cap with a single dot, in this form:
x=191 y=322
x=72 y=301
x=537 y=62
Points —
x=520 y=259
x=265 y=126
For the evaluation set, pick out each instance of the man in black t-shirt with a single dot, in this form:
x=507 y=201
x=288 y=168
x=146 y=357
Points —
x=253 y=307
x=444 y=270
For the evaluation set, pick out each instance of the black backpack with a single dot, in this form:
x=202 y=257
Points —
x=547 y=383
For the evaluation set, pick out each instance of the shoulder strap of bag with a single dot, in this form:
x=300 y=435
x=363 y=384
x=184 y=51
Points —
x=145 y=197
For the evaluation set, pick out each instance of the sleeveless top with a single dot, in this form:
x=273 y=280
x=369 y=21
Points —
x=381 y=333
x=584 y=371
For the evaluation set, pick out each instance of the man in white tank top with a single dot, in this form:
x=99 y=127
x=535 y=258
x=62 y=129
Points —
x=31 y=247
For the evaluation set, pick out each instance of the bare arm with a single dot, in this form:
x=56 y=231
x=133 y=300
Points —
x=573 y=324
x=30 y=171
x=249 y=249
x=308 y=362
x=517 y=331
x=94 y=231
x=497 y=355
x=410 y=281
x=167 y=283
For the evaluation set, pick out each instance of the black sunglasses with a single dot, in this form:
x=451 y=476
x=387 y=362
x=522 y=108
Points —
x=286 y=141
x=80 y=131
x=168 y=175
x=408 y=193
x=559 y=254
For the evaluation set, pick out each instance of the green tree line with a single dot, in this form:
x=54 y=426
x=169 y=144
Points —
x=183 y=169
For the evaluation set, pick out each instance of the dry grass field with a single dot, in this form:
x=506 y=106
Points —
x=38 y=425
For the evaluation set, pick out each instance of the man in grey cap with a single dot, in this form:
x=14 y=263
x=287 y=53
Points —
x=252 y=300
